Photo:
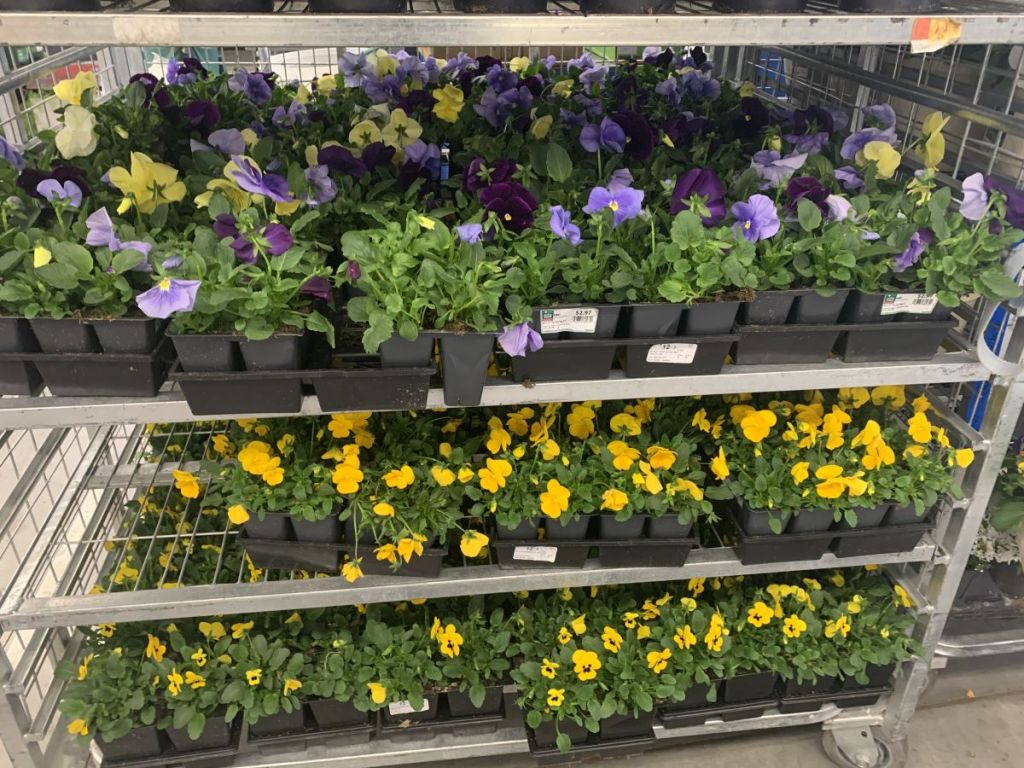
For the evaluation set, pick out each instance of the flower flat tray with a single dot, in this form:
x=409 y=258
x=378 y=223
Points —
x=779 y=344
x=201 y=758
x=445 y=723
x=878 y=342
x=573 y=553
x=87 y=374
x=594 y=748
x=687 y=718
x=327 y=558
x=349 y=734
x=864 y=697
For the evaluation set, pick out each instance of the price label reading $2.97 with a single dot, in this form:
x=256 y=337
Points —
x=574 y=319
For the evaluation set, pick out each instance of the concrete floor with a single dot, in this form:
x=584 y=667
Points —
x=971 y=716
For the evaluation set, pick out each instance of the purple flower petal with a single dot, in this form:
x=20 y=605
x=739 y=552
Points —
x=975 y=202
x=624 y=203
x=251 y=179
x=518 y=339
x=704 y=183
x=849 y=177
x=168 y=296
x=101 y=230
x=562 y=226
x=756 y=219
x=912 y=253
x=318 y=287
x=470 y=233
x=278 y=237
x=772 y=167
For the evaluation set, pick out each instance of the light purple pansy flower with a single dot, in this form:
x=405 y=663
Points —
x=68 y=192
x=227 y=140
x=251 y=179
x=254 y=86
x=881 y=114
x=620 y=178
x=321 y=186
x=849 y=177
x=168 y=296
x=912 y=253
x=562 y=226
x=172 y=262
x=775 y=169
x=471 y=234
x=857 y=140
x=975 y=202
x=101 y=233
x=757 y=218
x=808 y=144
x=518 y=339
x=609 y=136
x=11 y=155
x=839 y=208
x=624 y=203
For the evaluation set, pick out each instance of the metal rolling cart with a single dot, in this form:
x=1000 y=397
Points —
x=75 y=461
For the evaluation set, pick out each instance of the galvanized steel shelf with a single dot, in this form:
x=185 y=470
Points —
x=170 y=406
x=145 y=23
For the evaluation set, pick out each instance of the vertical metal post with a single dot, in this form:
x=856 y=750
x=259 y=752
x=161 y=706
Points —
x=15 y=723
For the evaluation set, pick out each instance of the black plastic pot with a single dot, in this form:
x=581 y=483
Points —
x=428 y=565
x=64 y=335
x=883 y=6
x=696 y=697
x=275 y=526
x=569 y=360
x=134 y=745
x=556 y=530
x=398 y=711
x=240 y=392
x=530 y=553
x=627 y=726
x=775 y=344
x=281 y=723
x=464 y=361
x=693 y=356
x=811 y=521
x=610 y=528
x=545 y=735
x=864 y=307
x=748 y=686
x=824 y=684
x=811 y=308
x=1009 y=578
x=757 y=550
x=761 y=6
x=875 y=342
x=459 y=704
x=397 y=352
x=878 y=541
x=905 y=515
x=365 y=531
x=358 y=6
x=281 y=352
x=767 y=308
x=49 y=5
x=756 y=522
x=866 y=518
x=551 y=322
x=977 y=587
x=878 y=676
x=216 y=735
x=644 y=553
x=93 y=374
x=654 y=320
x=525 y=530
x=668 y=527
x=272 y=554
x=128 y=335
x=19 y=378
x=331 y=714
x=358 y=383
x=710 y=318
x=326 y=531
x=222 y=6
x=16 y=335
x=207 y=352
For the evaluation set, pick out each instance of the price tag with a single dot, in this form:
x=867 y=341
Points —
x=575 y=319
x=932 y=34
x=909 y=303
x=405 y=708
x=535 y=554
x=681 y=354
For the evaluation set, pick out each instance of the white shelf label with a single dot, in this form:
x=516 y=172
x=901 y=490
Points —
x=575 y=319
x=405 y=708
x=680 y=354
x=536 y=554
x=911 y=303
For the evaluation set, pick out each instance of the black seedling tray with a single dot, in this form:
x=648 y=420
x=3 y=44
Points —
x=877 y=342
x=773 y=344
x=644 y=553
x=359 y=383
x=542 y=554
x=227 y=393
x=198 y=758
x=95 y=374
x=428 y=565
x=708 y=355
x=593 y=748
x=349 y=734
x=688 y=718
x=20 y=379
x=446 y=723
x=569 y=360
x=783 y=547
x=865 y=697
x=327 y=557
x=877 y=541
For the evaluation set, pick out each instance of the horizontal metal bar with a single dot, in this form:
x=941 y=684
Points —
x=147 y=29
x=151 y=604
x=19 y=77
x=170 y=406
x=986 y=644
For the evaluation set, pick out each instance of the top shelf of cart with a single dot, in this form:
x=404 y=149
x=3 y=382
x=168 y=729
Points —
x=435 y=22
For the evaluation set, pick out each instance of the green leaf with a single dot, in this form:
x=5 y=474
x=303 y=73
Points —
x=75 y=255
x=559 y=164
x=996 y=285
x=1008 y=516
x=564 y=742
x=808 y=215
x=61 y=276
x=126 y=260
x=196 y=725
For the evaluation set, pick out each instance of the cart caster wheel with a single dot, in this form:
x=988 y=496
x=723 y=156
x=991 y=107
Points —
x=859 y=748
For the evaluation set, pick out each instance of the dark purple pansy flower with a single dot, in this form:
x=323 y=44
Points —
x=500 y=79
x=202 y=114
x=640 y=136
x=511 y=202
x=278 y=238
x=1014 y=200
x=418 y=103
x=30 y=178
x=424 y=156
x=341 y=160
x=702 y=182
x=812 y=120
x=675 y=129
x=353 y=271
x=485 y=62
x=251 y=179
x=255 y=86
x=376 y=154
x=225 y=226
x=808 y=187
x=912 y=253
x=480 y=174
x=753 y=117
x=148 y=81
x=608 y=136
x=317 y=287
x=534 y=84
x=164 y=102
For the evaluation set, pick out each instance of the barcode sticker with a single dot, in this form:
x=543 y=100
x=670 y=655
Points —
x=574 y=319
x=910 y=303
x=405 y=708
x=536 y=554
x=680 y=354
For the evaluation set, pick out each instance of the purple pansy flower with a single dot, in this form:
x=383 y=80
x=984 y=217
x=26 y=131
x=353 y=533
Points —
x=608 y=136
x=479 y=174
x=101 y=233
x=753 y=117
x=186 y=71
x=149 y=82
x=321 y=186
x=374 y=156
x=620 y=178
x=202 y=114
x=912 y=253
x=252 y=179
x=341 y=160
x=288 y=118
x=172 y=262
x=857 y=140
x=318 y=288
x=11 y=155
x=702 y=182
x=839 y=208
x=168 y=296
x=1014 y=200
x=775 y=169
x=227 y=140
x=500 y=79
x=511 y=202
x=68 y=192
x=353 y=271
x=883 y=115
x=277 y=237
x=809 y=143
x=255 y=86
x=624 y=203
x=756 y=219
x=562 y=226
x=471 y=234
x=640 y=136
x=225 y=226
x=518 y=339
x=807 y=187
x=975 y=201
x=849 y=177
x=593 y=76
